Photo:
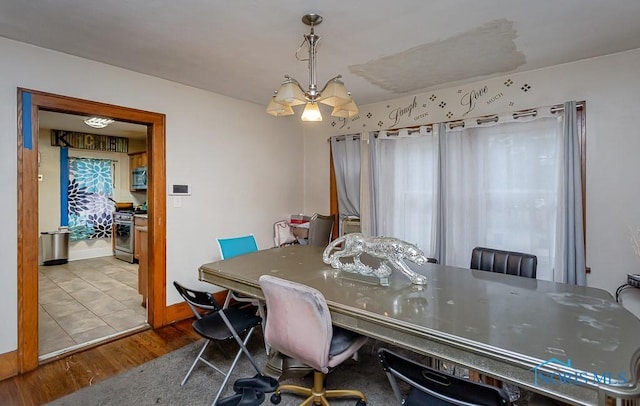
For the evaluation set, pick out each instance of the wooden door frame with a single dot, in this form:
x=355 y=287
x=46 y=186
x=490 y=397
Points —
x=28 y=232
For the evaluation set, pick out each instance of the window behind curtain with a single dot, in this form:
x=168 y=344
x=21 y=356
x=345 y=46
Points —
x=404 y=182
x=89 y=192
x=502 y=186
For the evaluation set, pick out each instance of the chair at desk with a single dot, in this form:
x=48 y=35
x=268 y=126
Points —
x=233 y=247
x=320 y=228
x=299 y=326
x=429 y=386
x=219 y=325
x=506 y=262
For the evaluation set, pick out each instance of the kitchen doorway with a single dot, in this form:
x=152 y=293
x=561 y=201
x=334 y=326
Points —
x=86 y=294
x=30 y=103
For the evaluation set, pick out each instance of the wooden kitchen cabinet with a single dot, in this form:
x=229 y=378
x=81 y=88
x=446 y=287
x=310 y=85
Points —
x=138 y=222
x=137 y=159
x=141 y=253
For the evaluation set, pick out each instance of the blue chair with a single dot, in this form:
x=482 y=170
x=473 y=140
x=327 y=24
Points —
x=233 y=247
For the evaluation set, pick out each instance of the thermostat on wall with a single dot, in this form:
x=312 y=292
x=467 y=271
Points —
x=180 y=190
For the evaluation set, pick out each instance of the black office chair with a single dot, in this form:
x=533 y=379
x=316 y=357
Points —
x=220 y=325
x=429 y=386
x=320 y=228
x=506 y=262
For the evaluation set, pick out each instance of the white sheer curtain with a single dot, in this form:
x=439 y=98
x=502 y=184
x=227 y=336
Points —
x=502 y=188
x=366 y=206
x=403 y=187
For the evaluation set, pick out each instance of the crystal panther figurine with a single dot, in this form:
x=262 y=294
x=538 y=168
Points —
x=390 y=250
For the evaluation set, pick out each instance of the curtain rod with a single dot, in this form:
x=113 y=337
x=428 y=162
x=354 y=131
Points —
x=516 y=115
x=460 y=123
x=343 y=137
x=410 y=130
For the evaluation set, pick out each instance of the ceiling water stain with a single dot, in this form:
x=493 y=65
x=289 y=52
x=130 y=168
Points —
x=487 y=50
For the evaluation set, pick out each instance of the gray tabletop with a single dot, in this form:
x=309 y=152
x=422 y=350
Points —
x=524 y=330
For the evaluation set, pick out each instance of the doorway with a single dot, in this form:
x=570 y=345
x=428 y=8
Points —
x=29 y=104
x=84 y=186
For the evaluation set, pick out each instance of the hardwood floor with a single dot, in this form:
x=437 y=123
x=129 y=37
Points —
x=69 y=374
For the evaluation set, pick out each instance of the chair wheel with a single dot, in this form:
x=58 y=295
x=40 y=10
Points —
x=276 y=398
x=361 y=402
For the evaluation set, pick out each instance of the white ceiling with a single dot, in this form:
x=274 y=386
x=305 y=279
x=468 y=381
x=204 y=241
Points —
x=383 y=49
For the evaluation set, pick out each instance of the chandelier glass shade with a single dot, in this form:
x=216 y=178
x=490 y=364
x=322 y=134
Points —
x=311 y=112
x=278 y=109
x=291 y=94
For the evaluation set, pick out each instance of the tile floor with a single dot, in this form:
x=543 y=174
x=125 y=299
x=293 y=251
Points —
x=86 y=300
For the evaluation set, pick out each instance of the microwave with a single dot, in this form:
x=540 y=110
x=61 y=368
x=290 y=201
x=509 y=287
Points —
x=139 y=178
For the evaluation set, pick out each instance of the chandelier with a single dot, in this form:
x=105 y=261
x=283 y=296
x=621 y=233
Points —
x=98 y=122
x=291 y=94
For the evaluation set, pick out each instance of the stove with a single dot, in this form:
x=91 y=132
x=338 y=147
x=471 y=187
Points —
x=123 y=235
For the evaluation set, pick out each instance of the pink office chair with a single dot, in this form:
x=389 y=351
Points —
x=299 y=326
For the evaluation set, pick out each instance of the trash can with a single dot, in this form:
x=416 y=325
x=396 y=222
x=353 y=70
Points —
x=54 y=247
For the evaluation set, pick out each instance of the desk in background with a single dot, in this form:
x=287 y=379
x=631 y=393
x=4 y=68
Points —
x=514 y=329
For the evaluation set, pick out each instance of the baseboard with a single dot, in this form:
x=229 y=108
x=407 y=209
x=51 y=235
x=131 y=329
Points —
x=181 y=311
x=8 y=365
x=79 y=254
x=177 y=312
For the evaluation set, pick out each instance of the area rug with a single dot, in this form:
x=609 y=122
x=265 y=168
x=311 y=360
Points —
x=158 y=382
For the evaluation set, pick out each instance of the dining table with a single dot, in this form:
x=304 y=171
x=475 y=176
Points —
x=571 y=343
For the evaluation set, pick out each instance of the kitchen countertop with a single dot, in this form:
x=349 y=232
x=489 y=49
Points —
x=142 y=216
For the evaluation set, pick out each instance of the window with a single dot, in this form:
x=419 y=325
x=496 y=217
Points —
x=501 y=189
x=500 y=186
x=404 y=184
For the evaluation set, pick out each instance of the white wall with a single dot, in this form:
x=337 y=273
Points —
x=610 y=86
x=244 y=166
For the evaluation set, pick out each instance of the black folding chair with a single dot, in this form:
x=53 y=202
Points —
x=219 y=325
x=429 y=386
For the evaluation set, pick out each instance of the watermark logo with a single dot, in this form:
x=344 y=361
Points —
x=559 y=377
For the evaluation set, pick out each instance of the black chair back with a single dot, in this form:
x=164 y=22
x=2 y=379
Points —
x=507 y=262
x=196 y=299
x=432 y=387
